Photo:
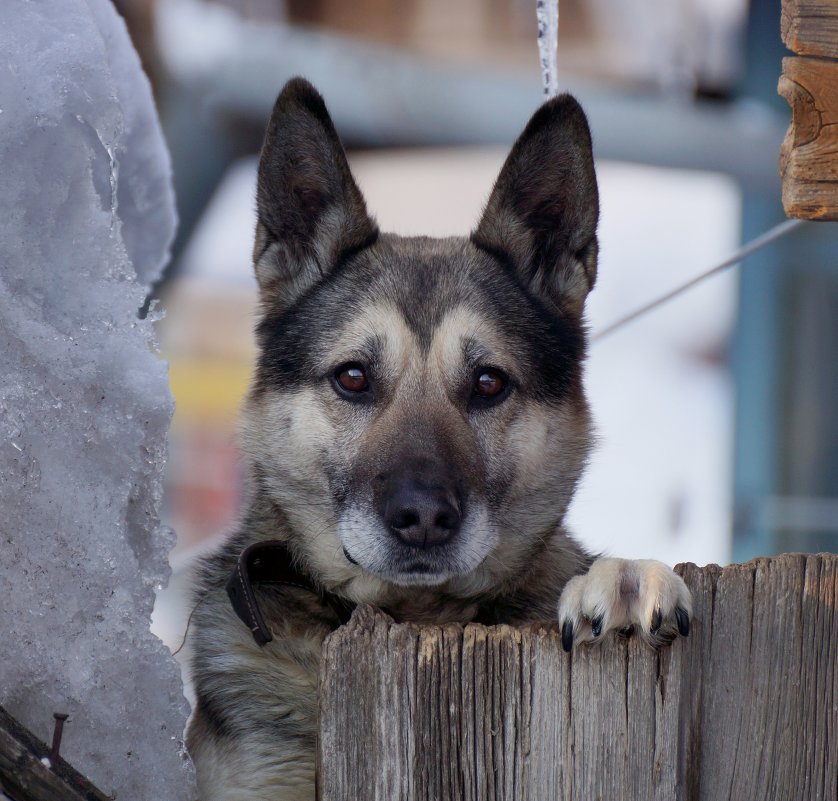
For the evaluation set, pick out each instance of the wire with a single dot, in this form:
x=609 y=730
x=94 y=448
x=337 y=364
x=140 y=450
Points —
x=188 y=624
x=771 y=235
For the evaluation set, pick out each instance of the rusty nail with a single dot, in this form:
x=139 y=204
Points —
x=60 y=717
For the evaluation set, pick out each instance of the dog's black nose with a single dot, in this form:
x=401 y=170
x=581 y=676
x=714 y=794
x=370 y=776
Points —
x=420 y=515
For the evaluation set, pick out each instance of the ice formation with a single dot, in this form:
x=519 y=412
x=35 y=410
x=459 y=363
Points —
x=547 y=17
x=86 y=217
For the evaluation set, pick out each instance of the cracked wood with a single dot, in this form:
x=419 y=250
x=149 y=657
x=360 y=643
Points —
x=746 y=708
x=809 y=154
x=810 y=27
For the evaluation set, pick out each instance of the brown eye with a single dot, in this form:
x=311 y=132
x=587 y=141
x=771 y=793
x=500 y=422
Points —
x=489 y=384
x=351 y=378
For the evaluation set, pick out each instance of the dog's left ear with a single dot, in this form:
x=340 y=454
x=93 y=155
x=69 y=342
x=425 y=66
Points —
x=542 y=215
x=311 y=213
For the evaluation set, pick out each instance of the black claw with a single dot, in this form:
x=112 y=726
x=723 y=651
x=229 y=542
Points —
x=683 y=621
x=657 y=619
x=596 y=626
x=567 y=635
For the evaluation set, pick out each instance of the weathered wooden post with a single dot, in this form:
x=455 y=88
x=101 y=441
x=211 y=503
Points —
x=29 y=771
x=809 y=156
x=746 y=708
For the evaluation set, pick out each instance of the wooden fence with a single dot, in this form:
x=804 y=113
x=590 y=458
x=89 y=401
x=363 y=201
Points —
x=745 y=708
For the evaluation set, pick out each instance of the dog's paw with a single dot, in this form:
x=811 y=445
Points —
x=625 y=595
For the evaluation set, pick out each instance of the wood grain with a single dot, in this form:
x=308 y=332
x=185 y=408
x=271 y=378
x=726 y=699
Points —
x=809 y=154
x=810 y=27
x=24 y=777
x=746 y=708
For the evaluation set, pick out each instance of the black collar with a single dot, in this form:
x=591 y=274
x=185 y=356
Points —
x=270 y=562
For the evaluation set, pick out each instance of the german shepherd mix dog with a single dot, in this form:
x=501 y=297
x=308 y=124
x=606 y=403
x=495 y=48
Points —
x=414 y=432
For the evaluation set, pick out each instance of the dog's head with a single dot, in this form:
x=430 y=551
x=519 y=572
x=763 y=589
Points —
x=417 y=412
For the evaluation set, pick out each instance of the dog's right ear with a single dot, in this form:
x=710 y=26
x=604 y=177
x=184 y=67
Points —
x=311 y=213
x=541 y=218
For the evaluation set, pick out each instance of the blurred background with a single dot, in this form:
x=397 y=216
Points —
x=717 y=414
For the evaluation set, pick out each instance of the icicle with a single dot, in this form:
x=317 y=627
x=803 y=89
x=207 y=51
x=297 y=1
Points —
x=547 y=13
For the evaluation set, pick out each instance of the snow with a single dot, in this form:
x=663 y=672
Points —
x=86 y=217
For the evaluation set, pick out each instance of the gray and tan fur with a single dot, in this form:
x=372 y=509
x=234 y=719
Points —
x=414 y=490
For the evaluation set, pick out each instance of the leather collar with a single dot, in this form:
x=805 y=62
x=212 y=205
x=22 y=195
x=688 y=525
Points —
x=270 y=562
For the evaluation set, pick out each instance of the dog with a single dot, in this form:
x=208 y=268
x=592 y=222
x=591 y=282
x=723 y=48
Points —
x=413 y=435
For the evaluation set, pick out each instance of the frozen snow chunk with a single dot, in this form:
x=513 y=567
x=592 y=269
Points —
x=86 y=218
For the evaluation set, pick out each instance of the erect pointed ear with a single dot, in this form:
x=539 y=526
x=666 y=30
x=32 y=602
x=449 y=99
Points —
x=542 y=215
x=311 y=213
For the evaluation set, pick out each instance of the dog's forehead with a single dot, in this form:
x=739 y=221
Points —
x=380 y=333
x=426 y=285
x=433 y=292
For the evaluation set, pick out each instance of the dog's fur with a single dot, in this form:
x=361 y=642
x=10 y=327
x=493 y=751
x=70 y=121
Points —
x=423 y=318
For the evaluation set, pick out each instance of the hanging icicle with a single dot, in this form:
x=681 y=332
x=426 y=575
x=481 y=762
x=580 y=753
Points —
x=547 y=13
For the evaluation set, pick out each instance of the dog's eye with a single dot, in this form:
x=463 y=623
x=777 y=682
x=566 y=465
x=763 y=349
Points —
x=489 y=386
x=351 y=378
